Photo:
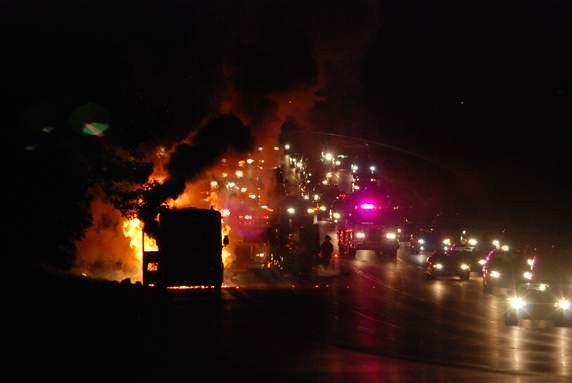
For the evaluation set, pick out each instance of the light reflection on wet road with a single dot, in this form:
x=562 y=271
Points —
x=380 y=317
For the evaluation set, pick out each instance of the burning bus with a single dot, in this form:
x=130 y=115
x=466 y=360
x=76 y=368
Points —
x=190 y=250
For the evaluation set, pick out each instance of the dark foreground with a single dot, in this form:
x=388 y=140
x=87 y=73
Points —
x=378 y=321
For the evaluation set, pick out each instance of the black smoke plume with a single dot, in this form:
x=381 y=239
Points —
x=220 y=135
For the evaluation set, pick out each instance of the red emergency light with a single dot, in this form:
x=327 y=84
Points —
x=367 y=206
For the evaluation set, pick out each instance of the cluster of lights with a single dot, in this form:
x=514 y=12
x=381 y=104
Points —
x=496 y=243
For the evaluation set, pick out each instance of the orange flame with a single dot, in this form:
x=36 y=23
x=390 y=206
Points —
x=133 y=229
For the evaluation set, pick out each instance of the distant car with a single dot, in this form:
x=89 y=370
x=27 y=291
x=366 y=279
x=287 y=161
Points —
x=425 y=242
x=538 y=300
x=447 y=264
x=475 y=257
x=504 y=270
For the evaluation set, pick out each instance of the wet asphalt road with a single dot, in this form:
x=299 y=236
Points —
x=378 y=321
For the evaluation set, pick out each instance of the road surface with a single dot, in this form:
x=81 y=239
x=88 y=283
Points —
x=378 y=321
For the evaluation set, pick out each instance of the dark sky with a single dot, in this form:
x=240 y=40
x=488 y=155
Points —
x=483 y=87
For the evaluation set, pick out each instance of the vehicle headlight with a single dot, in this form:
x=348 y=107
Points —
x=473 y=242
x=464 y=266
x=360 y=235
x=337 y=215
x=438 y=266
x=564 y=304
x=421 y=241
x=517 y=303
x=482 y=262
x=495 y=274
x=527 y=275
x=391 y=235
x=261 y=255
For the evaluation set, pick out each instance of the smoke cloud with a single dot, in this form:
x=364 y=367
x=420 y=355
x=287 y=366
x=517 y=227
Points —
x=220 y=135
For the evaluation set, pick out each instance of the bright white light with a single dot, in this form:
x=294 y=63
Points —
x=224 y=175
x=482 y=262
x=291 y=211
x=287 y=146
x=250 y=161
x=329 y=175
x=464 y=266
x=530 y=261
x=306 y=197
x=517 y=303
x=243 y=190
x=354 y=168
x=310 y=210
x=356 y=187
x=542 y=287
x=496 y=243
x=372 y=168
x=322 y=208
x=338 y=163
x=248 y=217
x=239 y=173
x=495 y=274
x=214 y=184
x=473 y=242
x=230 y=185
x=421 y=241
x=316 y=197
x=391 y=235
x=260 y=255
x=399 y=230
x=260 y=148
x=225 y=212
x=329 y=156
x=438 y=266
x=360 y=235
x=527 y=275
x=564 y=304
x=252 y=196
x=505 y=248
x=446 y=241
x=337 y=215
x=421 y=248
x=324 y=182
x=464 y=232
x=276 y=148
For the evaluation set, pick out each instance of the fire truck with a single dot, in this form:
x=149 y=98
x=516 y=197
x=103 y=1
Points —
x=367 y=222
x=190 y=250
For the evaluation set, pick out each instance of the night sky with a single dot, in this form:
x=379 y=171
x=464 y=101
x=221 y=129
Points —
x=482 y=87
